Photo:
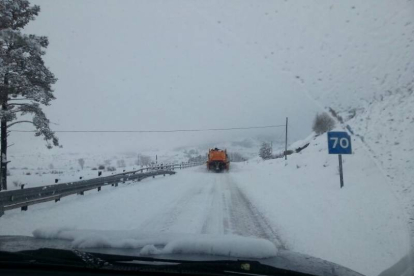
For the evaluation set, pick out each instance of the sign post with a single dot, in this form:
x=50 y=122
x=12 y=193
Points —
x=339 y=142
x=341 y=173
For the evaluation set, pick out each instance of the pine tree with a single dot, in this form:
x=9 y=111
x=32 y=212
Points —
x=265 y=151
x=25 y=81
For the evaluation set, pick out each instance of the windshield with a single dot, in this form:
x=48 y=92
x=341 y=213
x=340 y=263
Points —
x=237 y=129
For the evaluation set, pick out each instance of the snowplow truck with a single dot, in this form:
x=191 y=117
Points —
x=218 y=160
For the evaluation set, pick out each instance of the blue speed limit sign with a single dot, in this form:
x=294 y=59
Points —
x=339 y=142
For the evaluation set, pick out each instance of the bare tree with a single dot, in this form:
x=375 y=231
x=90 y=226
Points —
x=323 y=123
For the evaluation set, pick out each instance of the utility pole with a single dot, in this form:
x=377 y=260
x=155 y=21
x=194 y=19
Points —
x=286 y=137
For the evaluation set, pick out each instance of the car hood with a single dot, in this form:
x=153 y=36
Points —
x=284 y=259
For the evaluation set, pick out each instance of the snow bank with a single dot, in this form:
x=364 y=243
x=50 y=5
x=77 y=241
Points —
x=164 y=243
x=361 y=226
x=301 y=143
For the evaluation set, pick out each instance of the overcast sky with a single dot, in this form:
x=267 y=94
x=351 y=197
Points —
x=161 y=65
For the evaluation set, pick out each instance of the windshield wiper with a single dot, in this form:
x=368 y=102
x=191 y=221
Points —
x=75 y=259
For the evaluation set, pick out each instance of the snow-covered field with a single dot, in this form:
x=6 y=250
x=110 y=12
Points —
x=38 y=169
x=296 y=205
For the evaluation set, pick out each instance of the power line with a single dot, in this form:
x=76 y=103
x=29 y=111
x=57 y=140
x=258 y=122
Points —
x=157 y=131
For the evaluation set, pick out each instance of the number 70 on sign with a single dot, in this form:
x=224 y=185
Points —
x=339 y=142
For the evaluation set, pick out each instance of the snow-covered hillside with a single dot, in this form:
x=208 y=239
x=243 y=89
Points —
x=303 y=198
x=386 y=128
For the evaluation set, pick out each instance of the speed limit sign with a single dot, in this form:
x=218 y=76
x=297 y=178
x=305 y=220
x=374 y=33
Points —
x=339 y=142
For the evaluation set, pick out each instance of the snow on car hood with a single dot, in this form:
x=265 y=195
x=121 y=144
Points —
x=164 y=243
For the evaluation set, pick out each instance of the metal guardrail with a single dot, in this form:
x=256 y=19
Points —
x=165 y=167
x=25 y=197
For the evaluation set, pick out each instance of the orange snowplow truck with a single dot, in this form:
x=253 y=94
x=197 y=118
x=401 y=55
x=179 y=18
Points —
x=218 y=160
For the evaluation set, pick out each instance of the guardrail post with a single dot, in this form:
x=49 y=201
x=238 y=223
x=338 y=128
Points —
x=99 y=189
x=56 y=180
x=22 y=187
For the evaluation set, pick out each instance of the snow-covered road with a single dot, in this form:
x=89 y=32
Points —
x=193 y=201
x=213 y=204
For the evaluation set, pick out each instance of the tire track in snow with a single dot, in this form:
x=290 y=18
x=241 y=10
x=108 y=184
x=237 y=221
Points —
x=213 y=205
x=246 y=219
x=165 y=221
x=230 y=211
x=217 y=220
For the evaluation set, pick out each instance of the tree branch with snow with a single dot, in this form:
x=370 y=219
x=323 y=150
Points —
x=23 y=76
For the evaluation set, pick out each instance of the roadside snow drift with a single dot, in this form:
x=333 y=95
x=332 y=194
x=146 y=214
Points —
x=164 y=243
